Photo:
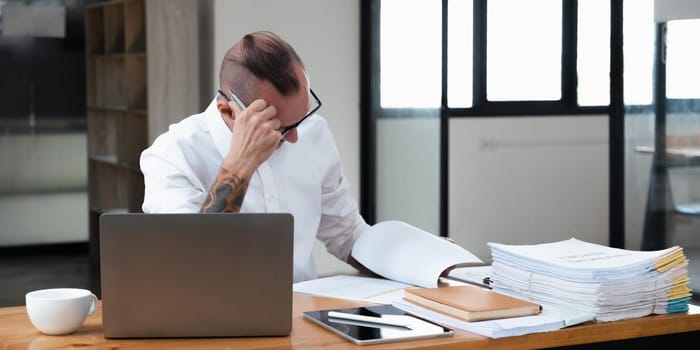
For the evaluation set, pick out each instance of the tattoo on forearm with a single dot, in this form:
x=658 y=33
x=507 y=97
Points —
x=226 y=195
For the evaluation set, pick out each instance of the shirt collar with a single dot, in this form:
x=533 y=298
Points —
x=218 y=129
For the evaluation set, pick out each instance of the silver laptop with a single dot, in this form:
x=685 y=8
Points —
x=196 y=275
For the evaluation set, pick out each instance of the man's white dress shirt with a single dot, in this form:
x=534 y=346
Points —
x=304 y=178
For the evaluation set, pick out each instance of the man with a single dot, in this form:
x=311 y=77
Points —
x=258 y=147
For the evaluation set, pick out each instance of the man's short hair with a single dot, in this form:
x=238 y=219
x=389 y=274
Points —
x=260 y=56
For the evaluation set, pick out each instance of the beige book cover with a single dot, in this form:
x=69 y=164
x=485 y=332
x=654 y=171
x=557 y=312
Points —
x=471 y=303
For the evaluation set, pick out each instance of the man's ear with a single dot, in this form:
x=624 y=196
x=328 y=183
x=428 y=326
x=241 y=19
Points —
x=224 y=108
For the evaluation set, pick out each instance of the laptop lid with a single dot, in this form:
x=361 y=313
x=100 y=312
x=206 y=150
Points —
x=196 y=275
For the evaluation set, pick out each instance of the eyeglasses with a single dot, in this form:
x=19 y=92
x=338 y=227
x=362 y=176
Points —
x=287 y=128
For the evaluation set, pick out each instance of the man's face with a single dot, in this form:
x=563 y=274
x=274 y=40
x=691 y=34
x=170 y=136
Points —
x=290 y=109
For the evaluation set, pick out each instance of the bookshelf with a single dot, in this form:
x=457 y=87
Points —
x=135 y=87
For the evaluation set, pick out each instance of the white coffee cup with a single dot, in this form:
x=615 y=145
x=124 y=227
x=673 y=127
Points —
x=58 y=311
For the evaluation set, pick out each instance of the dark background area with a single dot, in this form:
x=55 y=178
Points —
x=42 y=80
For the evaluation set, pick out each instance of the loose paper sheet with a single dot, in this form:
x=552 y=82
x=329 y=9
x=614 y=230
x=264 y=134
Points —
x=405 y=253
x=369 y=289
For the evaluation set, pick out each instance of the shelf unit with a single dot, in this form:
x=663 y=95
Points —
x=142 y=74
x=117 y=112
x=117 y=105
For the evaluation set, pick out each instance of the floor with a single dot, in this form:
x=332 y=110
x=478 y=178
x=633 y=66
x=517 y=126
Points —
x=25 y=269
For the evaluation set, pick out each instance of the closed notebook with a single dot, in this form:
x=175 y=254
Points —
x=471 y=303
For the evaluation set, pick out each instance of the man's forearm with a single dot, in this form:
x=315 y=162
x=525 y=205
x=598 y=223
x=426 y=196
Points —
x=226 y=194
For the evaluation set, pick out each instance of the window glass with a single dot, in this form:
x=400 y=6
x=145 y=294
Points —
x=593 y=53
x=683 y=59
x=459 y=53
x=523 y=50
x=410 y=47
x=638 y=49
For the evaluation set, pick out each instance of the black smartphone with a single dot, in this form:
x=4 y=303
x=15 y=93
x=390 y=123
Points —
x=376 y=324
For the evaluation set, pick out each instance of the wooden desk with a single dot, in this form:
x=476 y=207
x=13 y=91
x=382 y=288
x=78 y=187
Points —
x=17 y=332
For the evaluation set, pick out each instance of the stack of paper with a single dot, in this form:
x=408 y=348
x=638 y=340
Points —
x=611 y=283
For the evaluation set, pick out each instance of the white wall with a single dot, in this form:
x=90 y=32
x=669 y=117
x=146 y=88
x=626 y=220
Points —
x=528 y=180
x=408 y=171
x=325 y=33
x=522 y=180
x=667 y=10
x=515 y=180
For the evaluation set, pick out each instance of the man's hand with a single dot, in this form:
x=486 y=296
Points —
x=359 y=267
x=255 y=136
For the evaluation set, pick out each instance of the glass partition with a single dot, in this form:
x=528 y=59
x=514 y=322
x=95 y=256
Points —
x=662 y=127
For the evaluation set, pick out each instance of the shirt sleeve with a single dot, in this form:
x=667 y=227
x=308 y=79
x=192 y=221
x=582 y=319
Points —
x=169 y=186
x=341 y=223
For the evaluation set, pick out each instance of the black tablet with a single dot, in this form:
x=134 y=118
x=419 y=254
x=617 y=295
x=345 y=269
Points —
x=376 y=324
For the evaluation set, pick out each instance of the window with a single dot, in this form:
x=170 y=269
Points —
x=498 y=61
x=593 y=53
x=493 y=58
x=523 y=52
x=639 y=52
x=460 y=53
x=428 y=61
x=683 y=56
x=410 y=54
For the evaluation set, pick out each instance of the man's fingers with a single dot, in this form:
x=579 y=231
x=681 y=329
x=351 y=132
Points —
x=258 y=124
x=274 y=123
x=234 y=107
x=253 y=109
x=259 y=105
